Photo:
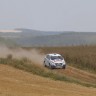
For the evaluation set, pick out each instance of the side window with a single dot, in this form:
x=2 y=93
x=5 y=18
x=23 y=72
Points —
x=48 y=57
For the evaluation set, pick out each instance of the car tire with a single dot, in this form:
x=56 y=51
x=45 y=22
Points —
x=44 y=64
x=64 y=67
x=50 y=66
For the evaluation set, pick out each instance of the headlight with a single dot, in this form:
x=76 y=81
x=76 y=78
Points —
x=52 y=63
x=64 y=62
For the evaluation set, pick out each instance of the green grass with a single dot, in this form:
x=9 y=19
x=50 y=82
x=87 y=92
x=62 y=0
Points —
x=27 y=65
x=8 y=42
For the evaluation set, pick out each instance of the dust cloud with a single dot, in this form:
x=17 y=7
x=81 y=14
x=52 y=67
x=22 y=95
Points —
x=34 y=55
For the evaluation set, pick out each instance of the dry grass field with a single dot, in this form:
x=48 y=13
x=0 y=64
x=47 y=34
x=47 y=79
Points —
x=15 y=82
x=82 y=57
x=26 y=75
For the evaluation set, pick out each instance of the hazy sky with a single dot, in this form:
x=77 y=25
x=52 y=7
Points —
x=54 y=15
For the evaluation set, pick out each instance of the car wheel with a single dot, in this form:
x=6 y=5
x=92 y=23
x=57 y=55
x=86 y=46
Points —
x=64 y=67
x=44 y=64
x=50 y=66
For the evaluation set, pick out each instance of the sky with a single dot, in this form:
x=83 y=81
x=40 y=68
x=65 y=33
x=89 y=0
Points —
x=49 y=15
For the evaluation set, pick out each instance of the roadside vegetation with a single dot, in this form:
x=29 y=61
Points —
x=29 y=66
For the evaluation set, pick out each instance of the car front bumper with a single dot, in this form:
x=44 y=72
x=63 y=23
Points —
x=58 y=66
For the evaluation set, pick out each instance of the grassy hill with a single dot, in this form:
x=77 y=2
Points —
x=79 y=78
x=26 y=33
x=29 y=38
x=7 y=42
x=64 y=39
x=77 y=64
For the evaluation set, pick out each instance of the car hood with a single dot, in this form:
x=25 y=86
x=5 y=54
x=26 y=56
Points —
x=58 y=61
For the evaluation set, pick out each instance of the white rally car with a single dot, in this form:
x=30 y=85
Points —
x=54 y=61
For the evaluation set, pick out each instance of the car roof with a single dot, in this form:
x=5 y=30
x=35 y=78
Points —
x=54 y=54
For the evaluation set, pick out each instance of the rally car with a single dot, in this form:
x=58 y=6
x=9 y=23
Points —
x=54 y=60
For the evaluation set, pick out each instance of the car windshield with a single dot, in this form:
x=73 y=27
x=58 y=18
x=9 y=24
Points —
x=56 y=57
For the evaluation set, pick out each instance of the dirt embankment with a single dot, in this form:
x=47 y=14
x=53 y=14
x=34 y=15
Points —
x=14 y=82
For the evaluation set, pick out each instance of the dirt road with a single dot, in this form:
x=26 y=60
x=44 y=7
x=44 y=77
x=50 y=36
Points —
x=14 y=82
